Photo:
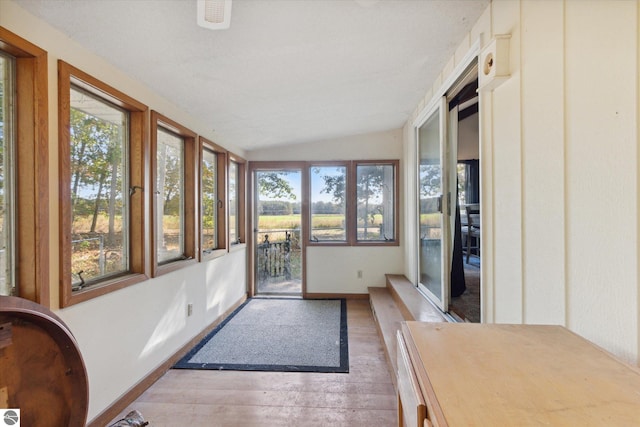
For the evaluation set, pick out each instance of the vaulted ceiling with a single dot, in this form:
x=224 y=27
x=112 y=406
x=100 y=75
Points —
x=286 y=71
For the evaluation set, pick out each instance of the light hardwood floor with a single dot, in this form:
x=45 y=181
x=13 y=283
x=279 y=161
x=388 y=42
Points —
x=363 y=397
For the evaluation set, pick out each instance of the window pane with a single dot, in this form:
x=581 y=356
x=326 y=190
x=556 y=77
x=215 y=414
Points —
x=233 y=203
x=328 y=202
x=461 y=171
x=209 y=201
x=430 y=205
x=169 y=199
x=99 y=189
x=7 y=95
x=375 y=196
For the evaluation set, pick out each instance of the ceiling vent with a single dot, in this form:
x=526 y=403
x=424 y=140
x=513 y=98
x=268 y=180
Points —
x=214 y=14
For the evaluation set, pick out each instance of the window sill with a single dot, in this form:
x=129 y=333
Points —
x=99 y=289
x=237 y=247
x=217 y=253
x=328 y=243
x=355 y=245
x=173 y=266
x=379 y=243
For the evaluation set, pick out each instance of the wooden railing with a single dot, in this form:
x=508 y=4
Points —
x=274 y=258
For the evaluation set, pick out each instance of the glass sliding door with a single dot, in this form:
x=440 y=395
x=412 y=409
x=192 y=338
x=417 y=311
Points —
x=433 y=206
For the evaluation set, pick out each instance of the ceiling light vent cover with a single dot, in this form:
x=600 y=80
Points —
x=214 y=14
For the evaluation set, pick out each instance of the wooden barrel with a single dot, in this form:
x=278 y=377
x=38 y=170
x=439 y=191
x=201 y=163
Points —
x=41 y=369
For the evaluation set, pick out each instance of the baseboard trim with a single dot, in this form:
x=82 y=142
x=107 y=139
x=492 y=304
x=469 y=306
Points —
x=134 y=392
x=325 y=296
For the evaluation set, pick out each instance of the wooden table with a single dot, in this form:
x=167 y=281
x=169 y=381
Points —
x=511 y=375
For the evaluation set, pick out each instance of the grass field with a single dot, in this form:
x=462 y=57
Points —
x=94 y=255
x=276 y=222
x=319 y=221
x=88 y=255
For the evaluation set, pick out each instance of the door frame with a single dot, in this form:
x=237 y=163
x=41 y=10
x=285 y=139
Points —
x=486 y=241
x=254 y=166
x=445 y=256
x=469 y=75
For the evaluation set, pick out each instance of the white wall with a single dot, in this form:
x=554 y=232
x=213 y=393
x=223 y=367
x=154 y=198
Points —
x=125 y=334
x=371 y=146
x=468 y=138
x=334 y=269
x=560 y=169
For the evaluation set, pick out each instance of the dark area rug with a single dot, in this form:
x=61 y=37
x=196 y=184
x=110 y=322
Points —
x=269 y=334
x=467 y=305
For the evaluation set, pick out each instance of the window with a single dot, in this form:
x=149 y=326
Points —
x=468 y=172
x=236 y=200
x=24 y=216
x=212 y=197
x=174 y=206
x=375 y=196
x=353 y=203
x=169 y=196
x=233 y=203
x=328 y=203
x=7 y=138
x=101 y=187
x=461 y=173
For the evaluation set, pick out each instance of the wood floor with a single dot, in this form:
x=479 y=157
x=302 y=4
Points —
x=363 y=397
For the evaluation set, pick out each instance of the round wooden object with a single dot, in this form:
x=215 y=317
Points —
x=41 y=369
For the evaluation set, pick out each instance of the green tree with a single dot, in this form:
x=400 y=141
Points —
x=274 y=184
x=275 y=207
x=430 y=180
x=209 y=191
x=370 y=182
x=335 y=186
x=369 y=185
x=95 y=157
x=172 y=183
x=2 y=144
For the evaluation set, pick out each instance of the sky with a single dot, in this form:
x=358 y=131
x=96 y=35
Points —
x=317 y=183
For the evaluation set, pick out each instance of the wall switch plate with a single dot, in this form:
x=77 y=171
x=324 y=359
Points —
x=189 y=309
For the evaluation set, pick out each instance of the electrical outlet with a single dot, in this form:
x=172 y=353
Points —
x=359 y=274
x=189 y=309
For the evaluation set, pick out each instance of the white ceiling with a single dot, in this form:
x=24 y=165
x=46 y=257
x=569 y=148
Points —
x=287 y=71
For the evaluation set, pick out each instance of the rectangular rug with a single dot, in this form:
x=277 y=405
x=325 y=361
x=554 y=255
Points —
x=267 y=334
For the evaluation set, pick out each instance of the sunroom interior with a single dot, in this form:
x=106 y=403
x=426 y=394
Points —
x=547 y=154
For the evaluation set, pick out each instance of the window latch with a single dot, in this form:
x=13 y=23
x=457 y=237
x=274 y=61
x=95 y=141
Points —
x=80 y=285
x=132 y=190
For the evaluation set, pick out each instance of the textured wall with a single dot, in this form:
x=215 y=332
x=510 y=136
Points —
x=560 y=163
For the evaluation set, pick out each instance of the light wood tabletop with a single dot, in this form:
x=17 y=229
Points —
x=524 y=375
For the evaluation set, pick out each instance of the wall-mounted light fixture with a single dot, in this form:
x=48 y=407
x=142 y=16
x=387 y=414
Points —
x=214 y=14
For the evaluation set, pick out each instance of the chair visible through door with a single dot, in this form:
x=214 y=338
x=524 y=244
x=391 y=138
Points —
x=472 y=230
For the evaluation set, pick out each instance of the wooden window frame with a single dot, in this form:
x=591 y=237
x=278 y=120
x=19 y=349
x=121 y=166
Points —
x=190 y=168
x=241 y=220
x=138 y=113
x=354 y=171
x=221 y=206
x=32 y=168
x=351 y=216
x=349 y=212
